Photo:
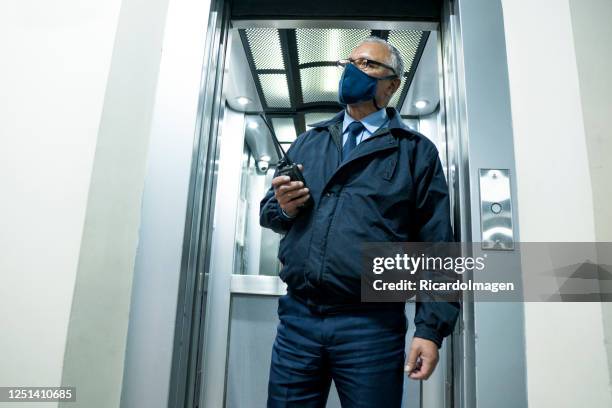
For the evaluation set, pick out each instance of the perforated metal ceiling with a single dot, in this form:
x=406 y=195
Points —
x=320 y=84
x=295 y=73
x=275 y=90
x=265 y=47
x=326 y=44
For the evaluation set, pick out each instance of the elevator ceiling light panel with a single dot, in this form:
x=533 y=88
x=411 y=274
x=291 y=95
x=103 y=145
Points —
x=295 y=73
x=276 y=91
x=315 y=117
x=315 y=45
x=265 y=47
x=320 y=84
x=284 y=128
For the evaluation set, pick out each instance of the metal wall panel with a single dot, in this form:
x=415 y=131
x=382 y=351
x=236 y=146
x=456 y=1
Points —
x=166 y=195
x=252 y=330
x=498 y=365
x=223 y=242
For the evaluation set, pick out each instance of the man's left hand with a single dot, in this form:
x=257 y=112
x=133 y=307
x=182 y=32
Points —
x=422 y=359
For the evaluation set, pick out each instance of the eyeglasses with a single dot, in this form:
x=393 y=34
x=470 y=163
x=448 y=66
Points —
x=365 y=64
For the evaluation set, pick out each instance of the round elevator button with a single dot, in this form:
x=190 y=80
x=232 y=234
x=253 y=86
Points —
x=496 y=208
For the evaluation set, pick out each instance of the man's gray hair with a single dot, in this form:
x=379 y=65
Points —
x=395 y=61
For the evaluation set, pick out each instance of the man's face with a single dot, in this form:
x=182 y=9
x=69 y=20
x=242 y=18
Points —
x=379 y=53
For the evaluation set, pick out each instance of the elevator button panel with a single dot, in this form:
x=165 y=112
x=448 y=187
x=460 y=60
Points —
x=496 y=209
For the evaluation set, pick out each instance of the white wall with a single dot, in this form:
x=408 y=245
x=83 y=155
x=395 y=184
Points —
x=55 y=63
x=566 y=364
x=97 y=334
x=592 y=33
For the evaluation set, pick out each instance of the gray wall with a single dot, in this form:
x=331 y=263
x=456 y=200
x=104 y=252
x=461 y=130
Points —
x=498 y=327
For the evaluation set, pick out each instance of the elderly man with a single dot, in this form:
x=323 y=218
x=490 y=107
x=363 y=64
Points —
x=372 y=179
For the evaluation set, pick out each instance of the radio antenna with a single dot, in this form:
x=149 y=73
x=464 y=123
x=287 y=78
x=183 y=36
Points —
x=277 y=146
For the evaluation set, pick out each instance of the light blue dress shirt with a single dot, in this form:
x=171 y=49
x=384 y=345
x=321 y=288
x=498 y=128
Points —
x=371 y=123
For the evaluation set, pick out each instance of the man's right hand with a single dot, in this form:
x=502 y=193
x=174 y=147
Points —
x=290 y=194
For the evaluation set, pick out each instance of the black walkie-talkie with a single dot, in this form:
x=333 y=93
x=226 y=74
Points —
x=285 y=167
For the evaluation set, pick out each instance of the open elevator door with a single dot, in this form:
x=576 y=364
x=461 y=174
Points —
x=285 y=69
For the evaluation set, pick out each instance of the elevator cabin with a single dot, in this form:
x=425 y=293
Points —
x=277 y=61
x=288 y=72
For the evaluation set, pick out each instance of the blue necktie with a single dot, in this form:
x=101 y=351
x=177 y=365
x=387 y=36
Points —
x=354 y=130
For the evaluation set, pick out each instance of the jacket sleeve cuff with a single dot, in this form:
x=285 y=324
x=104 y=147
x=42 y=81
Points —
x=428 y=333
x=284 y=215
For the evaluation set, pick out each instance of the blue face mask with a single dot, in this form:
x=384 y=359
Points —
x=357 y=86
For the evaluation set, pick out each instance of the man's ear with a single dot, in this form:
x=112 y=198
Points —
x=393 y=86
x=396 y=82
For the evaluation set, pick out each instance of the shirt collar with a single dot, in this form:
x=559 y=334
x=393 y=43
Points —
x=372 y=122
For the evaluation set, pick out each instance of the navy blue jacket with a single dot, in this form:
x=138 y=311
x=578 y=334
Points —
x=391 y=188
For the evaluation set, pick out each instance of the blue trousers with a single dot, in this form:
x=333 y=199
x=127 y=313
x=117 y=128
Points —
x=361 y=351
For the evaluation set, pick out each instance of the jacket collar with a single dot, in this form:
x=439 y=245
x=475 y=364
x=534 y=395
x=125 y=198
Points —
x=396 y=125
